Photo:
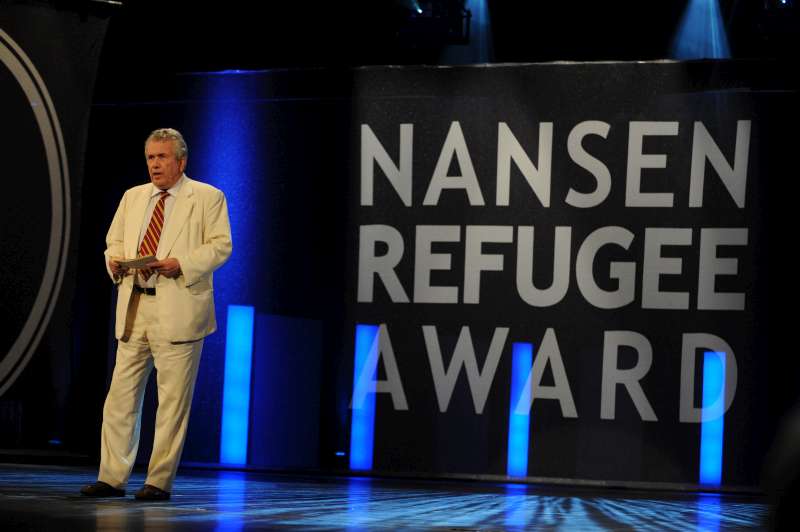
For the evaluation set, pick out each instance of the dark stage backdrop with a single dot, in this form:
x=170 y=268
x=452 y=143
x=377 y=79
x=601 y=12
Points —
x=554 y=247
x=611 y=217
x=48 y=60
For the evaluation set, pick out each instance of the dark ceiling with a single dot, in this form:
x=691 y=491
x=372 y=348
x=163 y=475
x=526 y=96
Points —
x=148 y=39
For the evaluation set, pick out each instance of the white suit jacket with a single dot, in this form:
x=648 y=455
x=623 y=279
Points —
x=198 y=234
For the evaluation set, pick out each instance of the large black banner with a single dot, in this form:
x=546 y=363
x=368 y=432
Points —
x=48 y=59
x=610 y=219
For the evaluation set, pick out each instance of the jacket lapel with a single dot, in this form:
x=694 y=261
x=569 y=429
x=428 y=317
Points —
x=177 y=219
x=134 y=227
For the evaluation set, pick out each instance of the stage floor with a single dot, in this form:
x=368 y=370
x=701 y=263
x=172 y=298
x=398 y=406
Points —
x=47 y=498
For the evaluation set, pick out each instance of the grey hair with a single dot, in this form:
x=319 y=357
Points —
x=160 y=135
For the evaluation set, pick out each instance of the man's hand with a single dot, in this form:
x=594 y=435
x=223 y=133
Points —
x=169 y=268
x=116 y=269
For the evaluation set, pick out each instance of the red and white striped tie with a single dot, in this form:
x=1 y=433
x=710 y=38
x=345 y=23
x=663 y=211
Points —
x=149 y=243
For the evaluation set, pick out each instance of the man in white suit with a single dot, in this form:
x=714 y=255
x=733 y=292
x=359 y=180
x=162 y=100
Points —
x=164 y=310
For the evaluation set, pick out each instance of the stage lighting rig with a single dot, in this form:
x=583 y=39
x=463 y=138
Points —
x=428 y=23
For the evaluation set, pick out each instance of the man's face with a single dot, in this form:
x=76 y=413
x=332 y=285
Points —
x=164 y=168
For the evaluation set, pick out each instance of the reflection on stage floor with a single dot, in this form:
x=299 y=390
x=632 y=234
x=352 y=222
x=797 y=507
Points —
x=47 y=498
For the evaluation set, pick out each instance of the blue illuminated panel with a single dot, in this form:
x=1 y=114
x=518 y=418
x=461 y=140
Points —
x=236 y=390
x=222 y=137
x=712 y=427
x=519 y=422
x=362 y=428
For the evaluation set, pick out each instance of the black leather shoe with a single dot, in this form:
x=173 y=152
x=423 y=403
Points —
x=151 y=493
x=101 y=489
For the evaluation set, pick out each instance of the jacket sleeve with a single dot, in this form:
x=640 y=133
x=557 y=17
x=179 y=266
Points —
x=115 y=237
x=217 y=245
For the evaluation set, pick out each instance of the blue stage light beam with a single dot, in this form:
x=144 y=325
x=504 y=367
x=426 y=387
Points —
x=712 y=429
x=236 y=387
x=225 y=150
x=362 y=427
x=519 y=418
x=701 y=33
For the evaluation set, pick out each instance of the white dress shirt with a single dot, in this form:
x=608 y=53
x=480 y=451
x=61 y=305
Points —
x=169 y=203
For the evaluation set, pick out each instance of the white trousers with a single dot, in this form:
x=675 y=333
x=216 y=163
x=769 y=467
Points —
x=176 y=371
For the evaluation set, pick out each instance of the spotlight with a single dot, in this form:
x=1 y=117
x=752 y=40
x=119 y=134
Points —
x=701 y=34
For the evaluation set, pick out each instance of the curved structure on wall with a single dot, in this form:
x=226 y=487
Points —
x=25 y=339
